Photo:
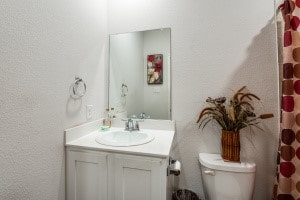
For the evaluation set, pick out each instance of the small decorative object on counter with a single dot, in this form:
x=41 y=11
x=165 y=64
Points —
x=104 y=128
x=107 y=119
x=232 y=117
x=109 y=115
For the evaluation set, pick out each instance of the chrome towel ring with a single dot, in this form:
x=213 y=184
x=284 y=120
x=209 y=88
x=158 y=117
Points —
x=77 y=88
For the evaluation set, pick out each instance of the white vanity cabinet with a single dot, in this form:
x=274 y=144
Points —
x=97 y=175
x=87 y=175
x=139 y=178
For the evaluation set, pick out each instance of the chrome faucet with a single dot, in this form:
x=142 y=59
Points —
x=132 y=125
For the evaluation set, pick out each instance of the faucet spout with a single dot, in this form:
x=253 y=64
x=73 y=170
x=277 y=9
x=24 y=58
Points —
x=131 y=125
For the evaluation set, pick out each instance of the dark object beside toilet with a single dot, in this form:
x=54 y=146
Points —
x=184 y=195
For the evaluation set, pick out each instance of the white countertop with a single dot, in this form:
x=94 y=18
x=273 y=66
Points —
x=83 y=136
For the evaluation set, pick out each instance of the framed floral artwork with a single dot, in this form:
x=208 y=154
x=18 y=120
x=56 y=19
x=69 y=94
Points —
x=155 y=69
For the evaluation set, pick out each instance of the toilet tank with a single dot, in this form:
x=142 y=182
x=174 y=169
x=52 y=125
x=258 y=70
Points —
x=226 y=180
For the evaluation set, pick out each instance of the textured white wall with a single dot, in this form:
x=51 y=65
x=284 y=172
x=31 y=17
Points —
x=43 y=45
x=217 y=46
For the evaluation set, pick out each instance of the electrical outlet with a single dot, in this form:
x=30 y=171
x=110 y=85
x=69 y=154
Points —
x=156 y=89
x=89 y=112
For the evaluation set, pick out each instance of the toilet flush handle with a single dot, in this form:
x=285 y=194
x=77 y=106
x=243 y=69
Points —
x=209 y=172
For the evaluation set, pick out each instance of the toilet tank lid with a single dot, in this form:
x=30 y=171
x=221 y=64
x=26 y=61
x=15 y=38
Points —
x=214 y=161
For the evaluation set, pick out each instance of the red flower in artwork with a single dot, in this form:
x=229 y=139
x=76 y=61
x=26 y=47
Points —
x=157 y=69
x=151 y=58
x=158 y=63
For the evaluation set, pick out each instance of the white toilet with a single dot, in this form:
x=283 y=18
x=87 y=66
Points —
x=226 y=180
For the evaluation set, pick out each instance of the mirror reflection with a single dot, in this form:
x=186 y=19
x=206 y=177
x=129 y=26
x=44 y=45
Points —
x=139 y=74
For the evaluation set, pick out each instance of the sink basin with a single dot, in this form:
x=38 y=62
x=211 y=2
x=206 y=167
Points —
x=121 y=138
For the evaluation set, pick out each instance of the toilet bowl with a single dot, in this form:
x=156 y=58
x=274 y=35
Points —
x=226 y=180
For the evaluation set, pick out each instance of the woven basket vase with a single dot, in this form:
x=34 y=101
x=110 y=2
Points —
x=231 y=146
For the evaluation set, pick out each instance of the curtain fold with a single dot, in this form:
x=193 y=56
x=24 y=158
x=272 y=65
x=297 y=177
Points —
x=288 y=173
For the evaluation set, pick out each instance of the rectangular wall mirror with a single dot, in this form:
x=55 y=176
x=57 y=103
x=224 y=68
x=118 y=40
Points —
x=140 y=74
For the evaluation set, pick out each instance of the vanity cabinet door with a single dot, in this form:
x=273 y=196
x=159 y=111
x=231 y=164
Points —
x=138 y=178
x=87 y=174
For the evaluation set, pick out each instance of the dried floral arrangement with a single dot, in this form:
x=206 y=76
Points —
x=235 y=116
